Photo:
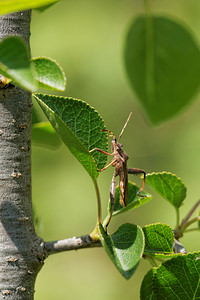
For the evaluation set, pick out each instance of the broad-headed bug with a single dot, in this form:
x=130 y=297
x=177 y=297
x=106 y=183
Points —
x=120 y=163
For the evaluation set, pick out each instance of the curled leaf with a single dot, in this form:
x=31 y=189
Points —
x=15 y=63
x=124 y=247
x=49 y=74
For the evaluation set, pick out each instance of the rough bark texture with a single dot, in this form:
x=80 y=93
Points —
x=19 y=244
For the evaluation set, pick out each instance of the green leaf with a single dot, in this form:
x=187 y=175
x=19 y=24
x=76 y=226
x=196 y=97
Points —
x=124 y=247
x=159 y=239
x=79 y=126
x=45 y=7
x=134 y=200
x=169 y=186
x=9 y=6
x=177 y=278
x=147 y=290
x=15 y=62
x=49 y=74
x=162 y=60
x=43 y=134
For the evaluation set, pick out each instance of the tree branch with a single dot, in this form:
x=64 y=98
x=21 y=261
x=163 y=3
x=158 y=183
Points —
x=184 y=221
x=74 y=243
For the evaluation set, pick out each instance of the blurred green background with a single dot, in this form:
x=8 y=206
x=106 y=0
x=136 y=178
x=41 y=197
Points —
x=87 y=39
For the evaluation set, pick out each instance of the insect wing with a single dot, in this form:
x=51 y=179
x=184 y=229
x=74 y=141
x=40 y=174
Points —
x=123 y=185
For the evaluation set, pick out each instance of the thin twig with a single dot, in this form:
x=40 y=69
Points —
x=194 y=220
x=192 y=229
x=98 y=200
x=74 y=243
x=184 y=221
x=177 y=218
x=147 y=7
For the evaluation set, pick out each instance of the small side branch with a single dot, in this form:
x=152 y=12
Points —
x=74 y=243
x=184 y=221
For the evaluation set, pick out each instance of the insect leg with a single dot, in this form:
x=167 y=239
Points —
x=135 y=172
x=104 y=152
x=110 y=164
x=112 y=197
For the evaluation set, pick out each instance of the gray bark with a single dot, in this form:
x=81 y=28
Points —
x=22 y=252
x=19 y=244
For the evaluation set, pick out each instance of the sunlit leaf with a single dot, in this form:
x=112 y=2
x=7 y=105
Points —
x=49 y=74
x=9 y=6
x=124 y=247
x=169 y=186
x=15 y=62
x=45 y=7
x=159 y=239
x=177 y=278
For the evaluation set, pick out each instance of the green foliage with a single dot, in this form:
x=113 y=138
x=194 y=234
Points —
x=162 y=60
x=169 y=186
x=159 y=239
x=79 y=126
x=124 y=247
x=163 y=64
x=134 y=200
x=177 y=278
x=49 y=74
x=9 y=6
x=15 y=63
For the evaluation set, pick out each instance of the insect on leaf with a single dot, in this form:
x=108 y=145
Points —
x=134 y=200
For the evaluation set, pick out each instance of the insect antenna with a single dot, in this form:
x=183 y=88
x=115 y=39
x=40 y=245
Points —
x=124 y=126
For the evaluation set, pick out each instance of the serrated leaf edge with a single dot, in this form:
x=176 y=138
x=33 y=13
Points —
x=165 y=172
x=176 y=255
x=79 y=100
x=147 y=253
x=173 y=175
x=158 y=223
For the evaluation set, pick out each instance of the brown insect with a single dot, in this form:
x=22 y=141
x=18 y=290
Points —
x=120 y=163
